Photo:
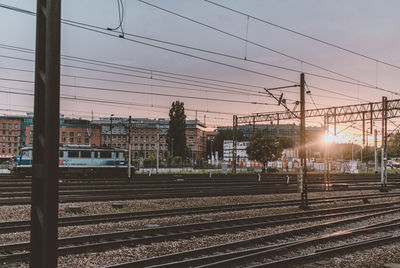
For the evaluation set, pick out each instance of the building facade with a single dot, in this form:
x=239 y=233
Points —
x=147 y=134
x=10 y=135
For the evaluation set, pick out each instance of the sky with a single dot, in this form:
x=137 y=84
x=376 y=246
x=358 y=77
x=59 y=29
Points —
x=364 y=26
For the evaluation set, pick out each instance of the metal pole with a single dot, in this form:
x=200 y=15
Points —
x=158 y=148
x=303 y=168
x=326 y=153
x=44 y=208
x=111 y=127
x=376 y=150
x=129 y=148
x=384 y=145
x=234 y=145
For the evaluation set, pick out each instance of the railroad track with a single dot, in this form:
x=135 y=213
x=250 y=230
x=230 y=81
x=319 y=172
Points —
x=69 y=245
x=106 y=195
x=21 y=226
x=272 y=252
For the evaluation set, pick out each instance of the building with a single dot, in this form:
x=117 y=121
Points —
x=314 y=136
x=10 y=135
x=241 y=154
x=146 y=134
x=72 y=131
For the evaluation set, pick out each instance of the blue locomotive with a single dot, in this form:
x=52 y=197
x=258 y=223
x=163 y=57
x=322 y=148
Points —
x=78 y=161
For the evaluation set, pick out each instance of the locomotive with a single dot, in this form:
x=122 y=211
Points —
x=78 y=161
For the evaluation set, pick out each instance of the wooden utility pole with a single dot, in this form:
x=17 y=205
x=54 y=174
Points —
x=303 y=169
x=46 y=131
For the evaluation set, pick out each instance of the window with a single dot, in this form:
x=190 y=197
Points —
x=71 y=139
x=15 y=150
x=78 y=140
x=9 y=132
x=4 y=132
x=16 y=126
x=86 y=140
x=4 y=126
x=86 y=134
x=9 y=150
x=152 y=139
x=9 y=125
x=15 y=138
x=31 y=132
x=16 y=132
x=71 y=134
x=105 y=154
x=136 y=146
x=96 y=154
x=9 y=138
x=4 y=138
x=15 y=144
x=136 y=138
x=86 y=154
x=63 y=139
x=73 y=154
x=61 y=154
x=79 y=134
x=63 y=133
x=31 y=139
x=4 y=144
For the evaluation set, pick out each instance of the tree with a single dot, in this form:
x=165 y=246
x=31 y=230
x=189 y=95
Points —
x=266 y=148
x=176 y=137
x=393 y=145
x=225 y=134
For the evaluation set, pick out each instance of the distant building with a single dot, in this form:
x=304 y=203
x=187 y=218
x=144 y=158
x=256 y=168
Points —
x=10 y=135
x=241 y=147
x=144 y=136
x=314 y=136
x=72 y=131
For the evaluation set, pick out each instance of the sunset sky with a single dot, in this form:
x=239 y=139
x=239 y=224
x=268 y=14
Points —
x=367 y=27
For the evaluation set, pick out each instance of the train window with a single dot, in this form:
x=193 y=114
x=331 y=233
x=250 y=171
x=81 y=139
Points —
x=73 y=154
x=61 y=153
x=86 y=154
x=105 y=154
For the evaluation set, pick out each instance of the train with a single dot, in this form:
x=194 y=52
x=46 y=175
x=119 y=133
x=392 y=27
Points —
x=78 y=161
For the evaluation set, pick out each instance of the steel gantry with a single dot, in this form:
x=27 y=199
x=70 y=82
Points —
x=365 y=112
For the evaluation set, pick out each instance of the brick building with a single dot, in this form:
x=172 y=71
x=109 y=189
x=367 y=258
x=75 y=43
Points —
x=10 y=135
x=144 y=135
x=72 y=131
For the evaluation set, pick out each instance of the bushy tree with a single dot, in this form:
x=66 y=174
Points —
x=393 y=145
x=176 y=137
x=267 y=148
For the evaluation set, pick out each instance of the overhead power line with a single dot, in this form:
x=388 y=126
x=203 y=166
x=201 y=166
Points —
x=306 y=35
x=250 y=42
x=79 y=25
x=142 y=92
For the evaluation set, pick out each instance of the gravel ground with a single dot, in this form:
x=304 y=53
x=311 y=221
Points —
x=156 y=249
x=178 y=220
x=143 y=251
x=22 y=212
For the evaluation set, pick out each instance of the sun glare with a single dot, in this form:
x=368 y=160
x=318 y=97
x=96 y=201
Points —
x=330 y=139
